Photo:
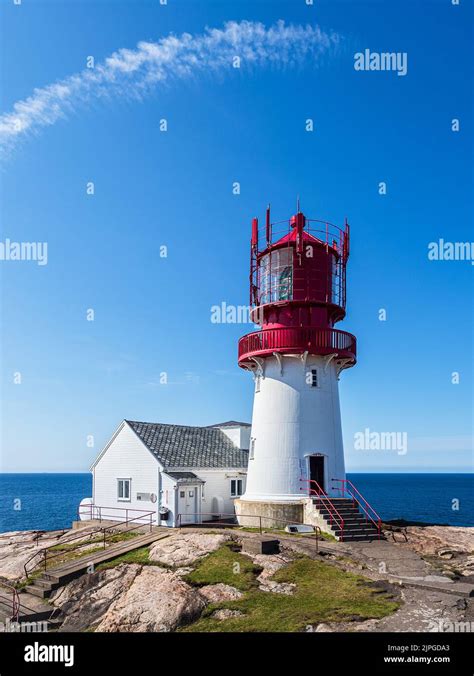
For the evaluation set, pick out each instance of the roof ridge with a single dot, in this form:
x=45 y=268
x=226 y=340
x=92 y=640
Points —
x=147 y=422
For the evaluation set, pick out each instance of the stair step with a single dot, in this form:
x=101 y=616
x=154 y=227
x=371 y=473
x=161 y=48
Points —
x=342 y=512
x=45 y=584
x=355 y=531
x=359 y=538
x=38 y=591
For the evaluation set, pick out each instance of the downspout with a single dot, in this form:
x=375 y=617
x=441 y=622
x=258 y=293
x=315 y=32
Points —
x=158 y=502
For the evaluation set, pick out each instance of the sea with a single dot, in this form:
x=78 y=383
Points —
x=50 y=501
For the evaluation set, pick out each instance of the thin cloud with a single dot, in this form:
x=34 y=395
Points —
x=135 y=73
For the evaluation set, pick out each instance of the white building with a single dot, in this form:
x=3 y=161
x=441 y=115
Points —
x=171 y=474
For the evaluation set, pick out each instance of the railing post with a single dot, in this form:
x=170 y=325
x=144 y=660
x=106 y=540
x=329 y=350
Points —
x=260 y=519
x=44 y=559
x=104 y=538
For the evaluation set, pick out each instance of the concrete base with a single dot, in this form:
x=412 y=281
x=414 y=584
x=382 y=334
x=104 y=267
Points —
x=261 y=546
x=268 y=514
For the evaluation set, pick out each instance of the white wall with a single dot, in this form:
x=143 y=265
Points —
x=291 y=421
x=216 y=490
x=238 y=434
x=169 y=499
x=126 y=457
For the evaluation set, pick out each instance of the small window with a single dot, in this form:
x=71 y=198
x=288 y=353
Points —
x=312 y=378
x=123 y=490
x=252 y=448
x=236 y=488
x=182 y=494
x=191 y=494
x=257 y=383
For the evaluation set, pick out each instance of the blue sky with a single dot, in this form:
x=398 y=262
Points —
x=174 y=188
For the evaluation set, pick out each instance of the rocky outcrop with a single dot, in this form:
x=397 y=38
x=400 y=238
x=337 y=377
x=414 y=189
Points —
x=226 y=614
x=19 y=546
x=128 y=598
x=84 y=602
x=183 y=549
x=270 y=563
x=452 y=546
x=157 y=600
x=216 y=593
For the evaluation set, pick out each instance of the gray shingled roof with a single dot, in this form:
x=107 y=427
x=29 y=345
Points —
x=185 y=476
x=182 y=446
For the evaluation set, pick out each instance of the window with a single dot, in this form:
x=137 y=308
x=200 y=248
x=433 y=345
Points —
x=182 y=494
x=312 y=378
x=276 y=276
x=252 y=448
x=236 y=488
x=191 y=494
x=123 y=490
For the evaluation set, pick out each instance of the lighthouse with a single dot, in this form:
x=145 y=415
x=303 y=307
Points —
x=296 y=357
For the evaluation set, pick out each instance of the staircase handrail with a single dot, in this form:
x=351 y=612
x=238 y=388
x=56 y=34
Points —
x=348 y=486
x=322 y=495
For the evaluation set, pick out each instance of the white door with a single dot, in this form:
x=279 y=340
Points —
x=187 y=504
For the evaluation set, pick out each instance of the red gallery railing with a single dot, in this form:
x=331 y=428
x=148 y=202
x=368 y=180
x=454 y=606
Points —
x=347 y=487
x=300 y=339
x=315 y=489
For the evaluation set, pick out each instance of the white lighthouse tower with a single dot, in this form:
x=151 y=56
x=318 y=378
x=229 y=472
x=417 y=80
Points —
x=298 y=293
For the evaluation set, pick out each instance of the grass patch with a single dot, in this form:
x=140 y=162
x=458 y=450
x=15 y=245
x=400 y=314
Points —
x=140 y=556
x=227 y=566
x=323 y=594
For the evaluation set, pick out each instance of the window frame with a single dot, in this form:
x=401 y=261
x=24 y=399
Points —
x=128 y=481
x=236 y=493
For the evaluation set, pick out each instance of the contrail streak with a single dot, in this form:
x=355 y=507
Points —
x=135 y=73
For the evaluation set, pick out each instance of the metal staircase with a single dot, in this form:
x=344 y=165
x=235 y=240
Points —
x=350 y=518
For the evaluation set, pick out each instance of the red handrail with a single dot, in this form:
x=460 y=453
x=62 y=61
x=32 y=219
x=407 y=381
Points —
x=348 y=486
x=322 y=495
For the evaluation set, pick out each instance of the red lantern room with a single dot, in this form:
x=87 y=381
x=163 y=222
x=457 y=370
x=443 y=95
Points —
x=298 y=290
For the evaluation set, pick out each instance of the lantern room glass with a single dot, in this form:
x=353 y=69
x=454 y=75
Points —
x=276 y=276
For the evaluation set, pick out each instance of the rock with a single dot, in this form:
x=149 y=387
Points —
x=83 y=602
x=287 y=588
x=270 y=563
x=323 y=627
x=226 y=614
x=466 y=567
x=185 y=570
x=185 y=548
x=157 y=600
x=432 y=539
x=17 y=547
x=216 y=593
x=446 y=553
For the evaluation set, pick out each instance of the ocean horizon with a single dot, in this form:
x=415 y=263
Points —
x=49 y=501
